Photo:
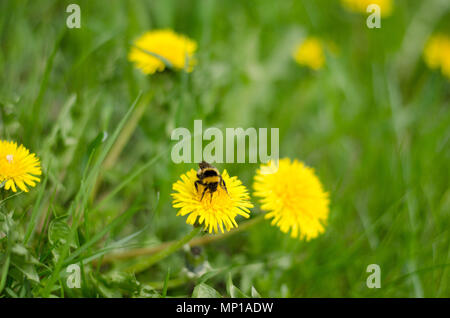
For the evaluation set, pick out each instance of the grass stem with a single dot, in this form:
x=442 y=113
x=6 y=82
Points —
x=195 y=242
x=168 y=250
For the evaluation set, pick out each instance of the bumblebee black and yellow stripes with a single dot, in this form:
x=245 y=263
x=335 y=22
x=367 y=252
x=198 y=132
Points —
x=209 y=177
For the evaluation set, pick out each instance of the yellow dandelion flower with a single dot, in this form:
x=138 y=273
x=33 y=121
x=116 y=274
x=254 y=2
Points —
x=293 y=197
x=18 y=166
x=153 y=50
x=310 y=53
x=437 y=53
x=360 y=6
x=213 y=213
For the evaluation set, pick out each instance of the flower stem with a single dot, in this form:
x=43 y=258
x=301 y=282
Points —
x=170 y=249
x=195 y=242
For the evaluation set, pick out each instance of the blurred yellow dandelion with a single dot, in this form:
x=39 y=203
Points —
x=293 y=197
x=154 y=49
x=310 y=53
x=213 y=213
x=437 y=53
x=18 y=167
x=360 y=6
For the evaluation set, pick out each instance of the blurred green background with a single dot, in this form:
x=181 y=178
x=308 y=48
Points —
x=374 y=123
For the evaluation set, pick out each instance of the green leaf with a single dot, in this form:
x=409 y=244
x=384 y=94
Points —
x=205 y=291
x=28 y=270
x=229 y=283
x=22 y=259
x=213 y=272
x=19 y=250
x=232 y=290
x=96 y=143
x=108 y=228
x=237 y=293
x=255 y=293
x=6 y=223
x=59 y=232
x=166 y=283
x=121 y=280
x=104 y=290
x=36 y=211
x=147 y=291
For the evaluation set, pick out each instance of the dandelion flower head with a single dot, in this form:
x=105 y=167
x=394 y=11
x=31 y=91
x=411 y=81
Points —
x=437 y=53
x=213 y=212
x=18 y=167
x=154 y=49
x=293 y=197
x=310 y=53
x=361 y=6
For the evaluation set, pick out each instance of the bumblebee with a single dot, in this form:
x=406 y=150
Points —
x=209 y=177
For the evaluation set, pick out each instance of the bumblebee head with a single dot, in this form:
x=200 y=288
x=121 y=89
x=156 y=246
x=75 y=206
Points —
x=204 y=165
